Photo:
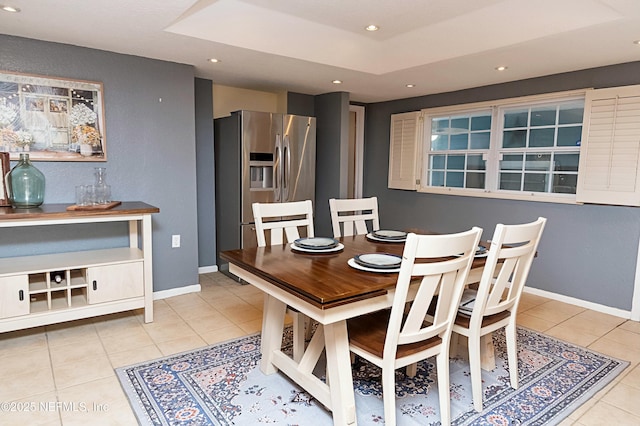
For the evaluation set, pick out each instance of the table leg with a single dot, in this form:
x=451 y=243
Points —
x=487 y=356
x=459 y=347
x=272 y=330
x=343 y=404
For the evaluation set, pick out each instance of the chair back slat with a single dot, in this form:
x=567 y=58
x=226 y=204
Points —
x=353 y=215
x=426 y=292
x=289 y=224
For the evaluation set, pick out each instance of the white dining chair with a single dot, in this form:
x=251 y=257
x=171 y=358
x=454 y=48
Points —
x=353 y=214
x=396 y=338
x=495 y=302
x=292 y=217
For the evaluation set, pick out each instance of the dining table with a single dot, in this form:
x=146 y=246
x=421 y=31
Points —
x=326 y=287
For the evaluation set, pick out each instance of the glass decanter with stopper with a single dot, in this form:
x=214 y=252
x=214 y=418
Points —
x=102 y=190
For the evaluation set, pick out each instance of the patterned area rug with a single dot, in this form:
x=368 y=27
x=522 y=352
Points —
x=223 y=385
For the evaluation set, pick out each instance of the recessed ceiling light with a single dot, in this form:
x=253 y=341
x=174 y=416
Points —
x=410 y=85
x=501 y=68
x=337 y=81
x=372 y=27
x=214 y=60
x=8 y=8
x=636 y=42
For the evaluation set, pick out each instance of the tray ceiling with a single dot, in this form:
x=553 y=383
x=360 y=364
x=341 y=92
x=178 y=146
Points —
x=436 y=45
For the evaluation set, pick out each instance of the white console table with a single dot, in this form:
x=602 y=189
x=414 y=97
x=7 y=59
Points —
x=90 y=283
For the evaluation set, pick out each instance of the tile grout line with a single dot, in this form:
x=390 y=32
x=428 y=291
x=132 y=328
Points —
x=53 y=374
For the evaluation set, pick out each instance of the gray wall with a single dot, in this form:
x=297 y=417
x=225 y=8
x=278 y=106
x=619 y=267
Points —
x=205 y=172
x=150 y=148
x=332 y=133
x=587 y=251
x=301 y=104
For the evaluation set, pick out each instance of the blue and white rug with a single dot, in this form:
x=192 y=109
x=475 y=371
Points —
x=223 y=385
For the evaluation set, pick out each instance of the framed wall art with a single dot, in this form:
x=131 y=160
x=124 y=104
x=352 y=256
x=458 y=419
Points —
x=54 y=119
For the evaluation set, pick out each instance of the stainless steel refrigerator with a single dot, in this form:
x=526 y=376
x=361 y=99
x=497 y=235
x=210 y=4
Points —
x=259 y=157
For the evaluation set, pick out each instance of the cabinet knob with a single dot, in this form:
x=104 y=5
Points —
x=95 y=285
x=21 y=295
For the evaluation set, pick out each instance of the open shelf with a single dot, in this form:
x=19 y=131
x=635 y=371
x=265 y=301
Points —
x=59 y=300
x=38 y=303
x=79 y=296
x=47 y=294
x=37 y=283
x=45 y=263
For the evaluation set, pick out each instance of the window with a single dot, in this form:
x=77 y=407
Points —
x=508 y=148
x=458 y=148
x=540 y=147
x=581 y=146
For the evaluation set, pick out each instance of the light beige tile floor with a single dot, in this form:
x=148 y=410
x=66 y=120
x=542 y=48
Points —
x=64 y=374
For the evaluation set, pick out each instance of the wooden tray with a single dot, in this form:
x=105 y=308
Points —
x=108 y=206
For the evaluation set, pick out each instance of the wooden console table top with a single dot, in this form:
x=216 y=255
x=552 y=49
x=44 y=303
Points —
x=59 y=211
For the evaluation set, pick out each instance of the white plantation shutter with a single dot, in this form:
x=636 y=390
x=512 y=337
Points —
x=610 y=148
x=403 y=150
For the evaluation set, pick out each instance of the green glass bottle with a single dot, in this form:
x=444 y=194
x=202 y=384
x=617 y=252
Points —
x=26 y=184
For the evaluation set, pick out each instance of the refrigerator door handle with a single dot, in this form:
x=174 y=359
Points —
x=286 y=169
x=277 y=175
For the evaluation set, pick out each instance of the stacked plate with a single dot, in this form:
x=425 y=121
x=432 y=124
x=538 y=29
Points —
x=388 y=235
x=481 y=251
x=317 y=245
x=376 y=262
x=467 y=302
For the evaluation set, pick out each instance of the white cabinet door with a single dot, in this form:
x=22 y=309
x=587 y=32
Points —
x=115 y=282
x=14 y=296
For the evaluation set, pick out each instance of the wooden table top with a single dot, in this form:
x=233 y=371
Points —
x=324 y=280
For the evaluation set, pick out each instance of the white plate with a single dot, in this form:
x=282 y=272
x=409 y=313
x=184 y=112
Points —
x=378 y=260
x=339 y=247
x=316 y=243
x=354 y=265
x=389 y=234
x=385 y=240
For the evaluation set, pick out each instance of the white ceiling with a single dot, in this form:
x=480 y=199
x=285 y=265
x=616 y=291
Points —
x=302 y=45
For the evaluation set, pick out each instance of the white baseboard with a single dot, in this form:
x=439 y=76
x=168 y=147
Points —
x=578 y=302
x=163 y=294
x=157 y=295
x=207 y=269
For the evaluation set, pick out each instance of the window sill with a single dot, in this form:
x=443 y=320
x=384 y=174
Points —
x=504 y=195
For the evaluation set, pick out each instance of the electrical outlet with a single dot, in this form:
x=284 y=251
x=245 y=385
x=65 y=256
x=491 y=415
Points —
x=175 y=241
